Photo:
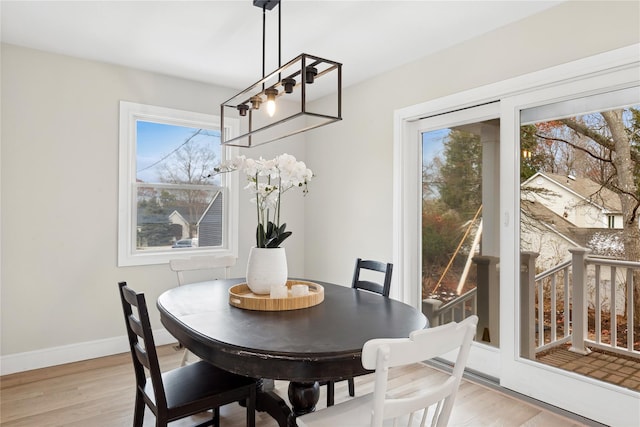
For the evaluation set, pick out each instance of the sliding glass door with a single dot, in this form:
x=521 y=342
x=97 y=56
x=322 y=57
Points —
x=572 y=231
x=459 y=218
x=519 y=201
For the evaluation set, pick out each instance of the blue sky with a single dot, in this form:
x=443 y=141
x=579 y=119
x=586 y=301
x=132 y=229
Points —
x=433 y=144
x=157 y=140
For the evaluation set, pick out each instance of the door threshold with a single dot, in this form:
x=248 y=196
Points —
x=494 y=384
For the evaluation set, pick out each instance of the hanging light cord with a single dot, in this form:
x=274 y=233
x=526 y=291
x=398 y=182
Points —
x=264 y=37
x=279 y=37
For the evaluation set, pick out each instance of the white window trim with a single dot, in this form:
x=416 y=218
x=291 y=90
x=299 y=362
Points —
x=130 y=112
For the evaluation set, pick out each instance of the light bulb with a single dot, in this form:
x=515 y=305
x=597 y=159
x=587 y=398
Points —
x=271 y=107
x=271 y=100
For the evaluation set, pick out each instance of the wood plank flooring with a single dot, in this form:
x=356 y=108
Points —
x=100 y=393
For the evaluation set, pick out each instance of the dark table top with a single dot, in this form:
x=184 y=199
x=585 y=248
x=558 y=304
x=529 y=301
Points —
x=323 y=342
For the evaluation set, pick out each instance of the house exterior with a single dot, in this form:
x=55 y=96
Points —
x=177 y=218
x=210 y=231
x=559 y=213
x=580 y=201
x=207 y=225
x=546 y=233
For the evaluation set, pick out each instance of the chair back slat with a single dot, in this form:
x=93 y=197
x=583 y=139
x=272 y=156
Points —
x=368 y=285
x=142 y=356
x=201 y=262
x=141 y=342
x=129 y=296
x=422 y=345
x=136 y=326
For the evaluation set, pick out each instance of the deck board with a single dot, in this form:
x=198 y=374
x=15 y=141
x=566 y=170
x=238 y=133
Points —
x=619 y=370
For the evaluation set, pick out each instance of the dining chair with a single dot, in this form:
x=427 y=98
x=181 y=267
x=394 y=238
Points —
x=368 y=285
x=199 y=263
x=382 y=288
x=382 y=407
x=181 y=392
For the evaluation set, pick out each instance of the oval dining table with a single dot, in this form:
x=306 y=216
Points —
x=304 y=346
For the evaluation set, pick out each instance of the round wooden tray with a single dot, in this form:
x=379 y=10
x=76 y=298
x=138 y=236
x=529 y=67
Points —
x=241 y=296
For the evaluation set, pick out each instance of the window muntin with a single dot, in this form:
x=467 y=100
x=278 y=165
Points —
x=167 y=193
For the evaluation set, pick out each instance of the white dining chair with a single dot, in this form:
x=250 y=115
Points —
x=379 y=408
x=199 y=263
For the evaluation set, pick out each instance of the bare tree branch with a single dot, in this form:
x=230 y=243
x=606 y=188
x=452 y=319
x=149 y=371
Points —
x=577 y=147
x=607 y=143
x=589 y=132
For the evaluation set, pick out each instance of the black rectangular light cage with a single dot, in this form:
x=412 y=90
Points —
x=293 y=85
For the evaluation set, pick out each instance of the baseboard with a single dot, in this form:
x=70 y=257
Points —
x=44 y=358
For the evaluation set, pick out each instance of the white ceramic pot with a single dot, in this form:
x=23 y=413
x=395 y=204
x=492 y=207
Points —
x=266 y=267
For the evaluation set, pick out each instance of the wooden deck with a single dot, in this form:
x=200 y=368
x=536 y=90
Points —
x=619 y=370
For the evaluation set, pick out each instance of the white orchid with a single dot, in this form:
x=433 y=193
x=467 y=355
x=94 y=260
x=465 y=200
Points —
x=267 y=181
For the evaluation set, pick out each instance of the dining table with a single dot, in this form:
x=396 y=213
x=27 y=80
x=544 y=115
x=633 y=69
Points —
x=305 y=346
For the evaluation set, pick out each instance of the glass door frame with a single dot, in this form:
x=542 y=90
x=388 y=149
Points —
x=615 y=69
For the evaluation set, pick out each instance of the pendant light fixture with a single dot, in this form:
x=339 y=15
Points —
x=276 y=106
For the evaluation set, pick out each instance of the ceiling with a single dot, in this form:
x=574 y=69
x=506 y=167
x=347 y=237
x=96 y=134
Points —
x=220 y=42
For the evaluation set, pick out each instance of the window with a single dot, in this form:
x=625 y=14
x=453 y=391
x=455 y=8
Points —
x=170 y=206
x=612 y=221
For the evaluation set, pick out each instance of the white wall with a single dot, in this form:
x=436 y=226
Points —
x=59 y=201
x=59 y=171
x=354 y=158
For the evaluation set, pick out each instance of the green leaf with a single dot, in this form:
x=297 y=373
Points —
x=260 y=236
x=275 y=242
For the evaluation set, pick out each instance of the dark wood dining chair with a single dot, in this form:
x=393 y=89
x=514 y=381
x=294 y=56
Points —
x=383 y=288
x=386 y=269
x=181 y=392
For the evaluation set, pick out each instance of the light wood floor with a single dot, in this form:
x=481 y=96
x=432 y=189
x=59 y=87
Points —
x=100 y=392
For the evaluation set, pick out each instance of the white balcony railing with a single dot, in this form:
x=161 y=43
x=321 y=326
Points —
x=552 y=322
x=453 y=311
x=583 y=301
x=482 y=300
